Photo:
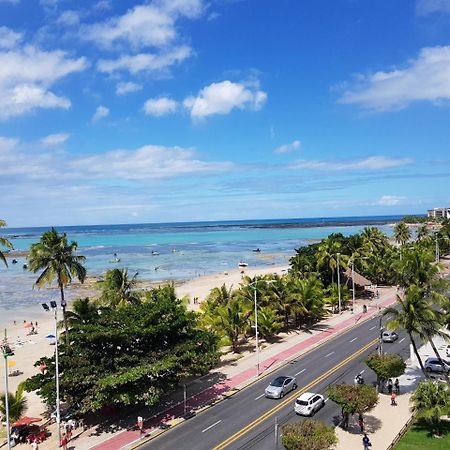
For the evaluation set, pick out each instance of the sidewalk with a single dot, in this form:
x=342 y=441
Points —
x=384 y=422
x=232 y=376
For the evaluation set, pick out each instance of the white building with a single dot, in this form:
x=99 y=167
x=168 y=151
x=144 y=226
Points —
x=439 y=213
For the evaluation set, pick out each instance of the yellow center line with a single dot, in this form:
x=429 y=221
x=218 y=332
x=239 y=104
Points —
x=284 y=402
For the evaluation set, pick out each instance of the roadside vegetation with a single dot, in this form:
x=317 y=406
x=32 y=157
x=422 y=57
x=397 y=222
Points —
x=309 y=434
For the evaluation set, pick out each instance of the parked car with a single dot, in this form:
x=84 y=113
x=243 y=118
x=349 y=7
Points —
x=308 y=404
x=280 y=386
x=389 y=336
x=447 y=350
x=434 y=365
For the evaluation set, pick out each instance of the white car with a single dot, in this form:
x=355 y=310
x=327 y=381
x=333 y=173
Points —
x=308 y=404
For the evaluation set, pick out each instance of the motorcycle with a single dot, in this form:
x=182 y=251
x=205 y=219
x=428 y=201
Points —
x=359 y=379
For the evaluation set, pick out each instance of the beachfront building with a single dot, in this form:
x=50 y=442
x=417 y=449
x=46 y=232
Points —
x=439 y=213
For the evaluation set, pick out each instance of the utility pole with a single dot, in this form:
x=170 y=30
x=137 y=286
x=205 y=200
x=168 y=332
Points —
x=185 y=399
x=437 y=247
x=276 y=433
x=380 y=345
x=6 y=352
x=339 y=281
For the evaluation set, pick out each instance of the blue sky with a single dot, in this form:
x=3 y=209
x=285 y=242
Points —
x=120 y=111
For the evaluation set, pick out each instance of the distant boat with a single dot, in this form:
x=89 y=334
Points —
x=116 y=259
x=25 y=266
x=242 y=264
x=257 y=250
x=14 y=261
x=155 y=253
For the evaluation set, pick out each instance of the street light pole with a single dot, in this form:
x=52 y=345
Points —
x=437 y=247
x=380 y=345
x=54 y=308
x=353 y=286
x=6 y=352
x=339 y=281
x=254 y=286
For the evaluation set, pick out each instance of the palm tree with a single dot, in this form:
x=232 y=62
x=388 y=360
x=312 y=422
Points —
x=422 y=233
x=220 y=295
x=55 y=257
x=269 y=321
x=414 y=315
x=83 y=311
x=416 y=267
x=17 y=404
x=374 y=240
x=402 y=234
x=118 y=289
x=431 y=402
x=4 y=243
x=327 y=256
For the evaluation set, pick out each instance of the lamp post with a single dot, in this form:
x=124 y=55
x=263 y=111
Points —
x=353 y=280
x=254 y=287
x=6 y=350
x=54 y=307
x=339 y=281
x=437 y=246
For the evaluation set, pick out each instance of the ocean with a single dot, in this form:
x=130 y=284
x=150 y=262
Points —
x=172 y=251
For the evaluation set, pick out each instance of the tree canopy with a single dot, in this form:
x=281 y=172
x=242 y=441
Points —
x=385 y=366
x=308 y=434
x=130 y=355
x=353 y=398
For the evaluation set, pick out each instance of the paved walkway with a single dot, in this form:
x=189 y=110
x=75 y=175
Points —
x=235 y=375
x=384 y=422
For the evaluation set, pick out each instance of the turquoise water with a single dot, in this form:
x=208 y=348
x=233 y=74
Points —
x=180 y=251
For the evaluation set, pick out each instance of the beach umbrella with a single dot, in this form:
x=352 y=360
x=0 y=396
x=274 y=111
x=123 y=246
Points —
x=50 y=336
x=29 y=325
x=11 y=363
x=26 y=421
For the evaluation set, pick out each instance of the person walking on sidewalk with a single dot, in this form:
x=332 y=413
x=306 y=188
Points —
x=345 y=420
x=389 y=385
x=393 y=399
x=366 y=442
x=397 y=386
x=361 y=423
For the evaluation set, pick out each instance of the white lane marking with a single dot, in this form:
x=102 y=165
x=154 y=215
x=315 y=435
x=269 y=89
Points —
x=329 y=354
x=213 y=425
x=298 y=373
x=326 y=400
x=372 y=328
x=354 y=339
x=401 y=340
x=259 y=396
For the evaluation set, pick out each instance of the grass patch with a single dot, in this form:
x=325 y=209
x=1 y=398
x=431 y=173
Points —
x=419 y=437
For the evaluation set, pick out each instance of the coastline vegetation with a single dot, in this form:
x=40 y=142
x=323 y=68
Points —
x=129 y=346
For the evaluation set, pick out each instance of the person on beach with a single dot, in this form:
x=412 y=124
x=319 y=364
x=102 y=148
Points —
x=366 y=442
x=34 y=445
x=397 y=386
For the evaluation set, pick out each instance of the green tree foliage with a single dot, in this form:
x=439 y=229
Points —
x=309 y=434
x=83 y=310
x=130 y=355
x=4 y=243
x=269 y=321
x=353 y=398
x=431 y=401
x=56 y=258
x=332 y=296
x=385 y=366
x=118 y=289
x=402 y=234
x=17 y=404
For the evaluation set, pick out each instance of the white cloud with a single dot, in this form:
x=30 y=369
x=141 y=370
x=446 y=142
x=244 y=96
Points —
x=152 y=25
x=102 y=5
x=26 y=75
x=69 y=18
x=146 y=163
x=128 y=87
x=145 y=62
x=427 y=7
x=426 y=78
x=9 y=38
x=222 y=98
x=389 y=200
x=370 y=163
x=55 y=139
x=287 y=148
x=100 y=113
x=160 y=106
x=14 y=2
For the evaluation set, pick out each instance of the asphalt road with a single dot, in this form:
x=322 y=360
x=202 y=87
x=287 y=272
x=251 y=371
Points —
x=247 y=419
